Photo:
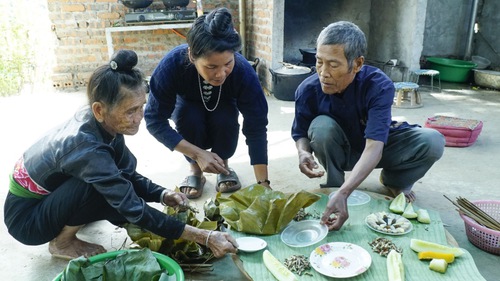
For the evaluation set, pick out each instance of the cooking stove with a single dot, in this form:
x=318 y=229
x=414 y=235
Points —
x=160 y=16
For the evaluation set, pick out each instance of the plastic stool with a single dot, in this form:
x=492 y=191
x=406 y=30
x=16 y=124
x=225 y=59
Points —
x=415 y=76
x=407 y=95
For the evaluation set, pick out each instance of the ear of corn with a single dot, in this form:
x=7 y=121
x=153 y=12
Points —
x=448 y=257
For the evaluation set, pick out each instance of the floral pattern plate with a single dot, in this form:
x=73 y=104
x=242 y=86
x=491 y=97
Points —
x=340 y=260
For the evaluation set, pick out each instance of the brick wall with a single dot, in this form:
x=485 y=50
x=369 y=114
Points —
x=79 y=28
x=259 y=15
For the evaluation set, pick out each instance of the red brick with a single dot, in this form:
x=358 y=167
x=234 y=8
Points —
x=73 y=8
x=106 y=15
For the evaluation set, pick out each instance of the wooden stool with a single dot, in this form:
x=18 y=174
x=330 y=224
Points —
x=407 y=95
x=415 y=77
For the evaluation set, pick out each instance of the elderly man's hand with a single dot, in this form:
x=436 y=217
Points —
x=307 y=165
x=335 y=213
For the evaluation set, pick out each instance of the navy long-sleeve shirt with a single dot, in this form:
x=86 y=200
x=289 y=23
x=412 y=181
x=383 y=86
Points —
x=175 y=76
x=363 y=110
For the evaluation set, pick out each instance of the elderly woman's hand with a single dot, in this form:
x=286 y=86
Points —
x=221 y=243
x=172 y=199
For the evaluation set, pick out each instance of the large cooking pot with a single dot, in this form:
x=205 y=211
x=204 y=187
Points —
x=308 y=56
x=286 y=80
x=175 y=3
x=136 y=4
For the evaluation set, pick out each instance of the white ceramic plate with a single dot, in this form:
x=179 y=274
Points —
x=407 y=224
x=356 y=198
x=304 y=233
x=250 y=244
x=340 y=260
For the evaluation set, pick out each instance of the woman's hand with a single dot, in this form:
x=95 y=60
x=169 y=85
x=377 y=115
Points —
x=221 y=243
x=172 y=199
x=210 y=162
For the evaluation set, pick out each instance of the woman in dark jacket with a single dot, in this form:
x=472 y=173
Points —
x=203 y=86
x=82 y=172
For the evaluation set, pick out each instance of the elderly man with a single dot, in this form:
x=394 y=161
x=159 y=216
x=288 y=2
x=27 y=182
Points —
x=343 y=117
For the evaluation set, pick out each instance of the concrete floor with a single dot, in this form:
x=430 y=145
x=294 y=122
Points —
x=470 y=172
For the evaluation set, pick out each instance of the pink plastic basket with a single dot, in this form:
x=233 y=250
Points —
x=483 y=237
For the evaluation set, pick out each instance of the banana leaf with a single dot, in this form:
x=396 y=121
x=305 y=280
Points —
x=137 y=265
x=259 y=210
x=183 y=251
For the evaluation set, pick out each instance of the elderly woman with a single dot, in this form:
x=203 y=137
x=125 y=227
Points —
x=82 y=172
x=203 y=86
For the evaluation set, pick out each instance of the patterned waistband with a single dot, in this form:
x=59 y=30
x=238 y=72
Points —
x=21 y=176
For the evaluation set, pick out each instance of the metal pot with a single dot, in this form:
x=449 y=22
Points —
x=286 y=80
x=136 y=4
x=308 y=56
x=175 y=3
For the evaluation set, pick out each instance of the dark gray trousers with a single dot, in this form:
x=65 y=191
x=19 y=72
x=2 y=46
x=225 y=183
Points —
x=406 y=158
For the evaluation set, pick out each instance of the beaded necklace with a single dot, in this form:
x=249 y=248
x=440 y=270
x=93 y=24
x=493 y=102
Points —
x=206 y=95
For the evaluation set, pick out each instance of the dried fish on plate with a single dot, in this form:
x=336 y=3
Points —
x=388 y=223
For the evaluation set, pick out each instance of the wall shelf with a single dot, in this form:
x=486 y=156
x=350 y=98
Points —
x=110 y=30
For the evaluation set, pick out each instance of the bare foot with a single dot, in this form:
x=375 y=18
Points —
x=191 y=191
x=74 y=248
x=409 y=194
x=226 y=186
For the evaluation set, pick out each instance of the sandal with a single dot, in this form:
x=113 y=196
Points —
x=225 y=179
x=193 y=182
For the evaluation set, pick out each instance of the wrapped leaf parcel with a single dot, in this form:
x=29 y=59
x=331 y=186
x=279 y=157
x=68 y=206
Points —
x=181 y=250
x=129 y=265
x=260 y=210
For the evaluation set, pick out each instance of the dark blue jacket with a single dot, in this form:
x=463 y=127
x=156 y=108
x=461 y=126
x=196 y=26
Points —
x=82 y=149
x=176 y=76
